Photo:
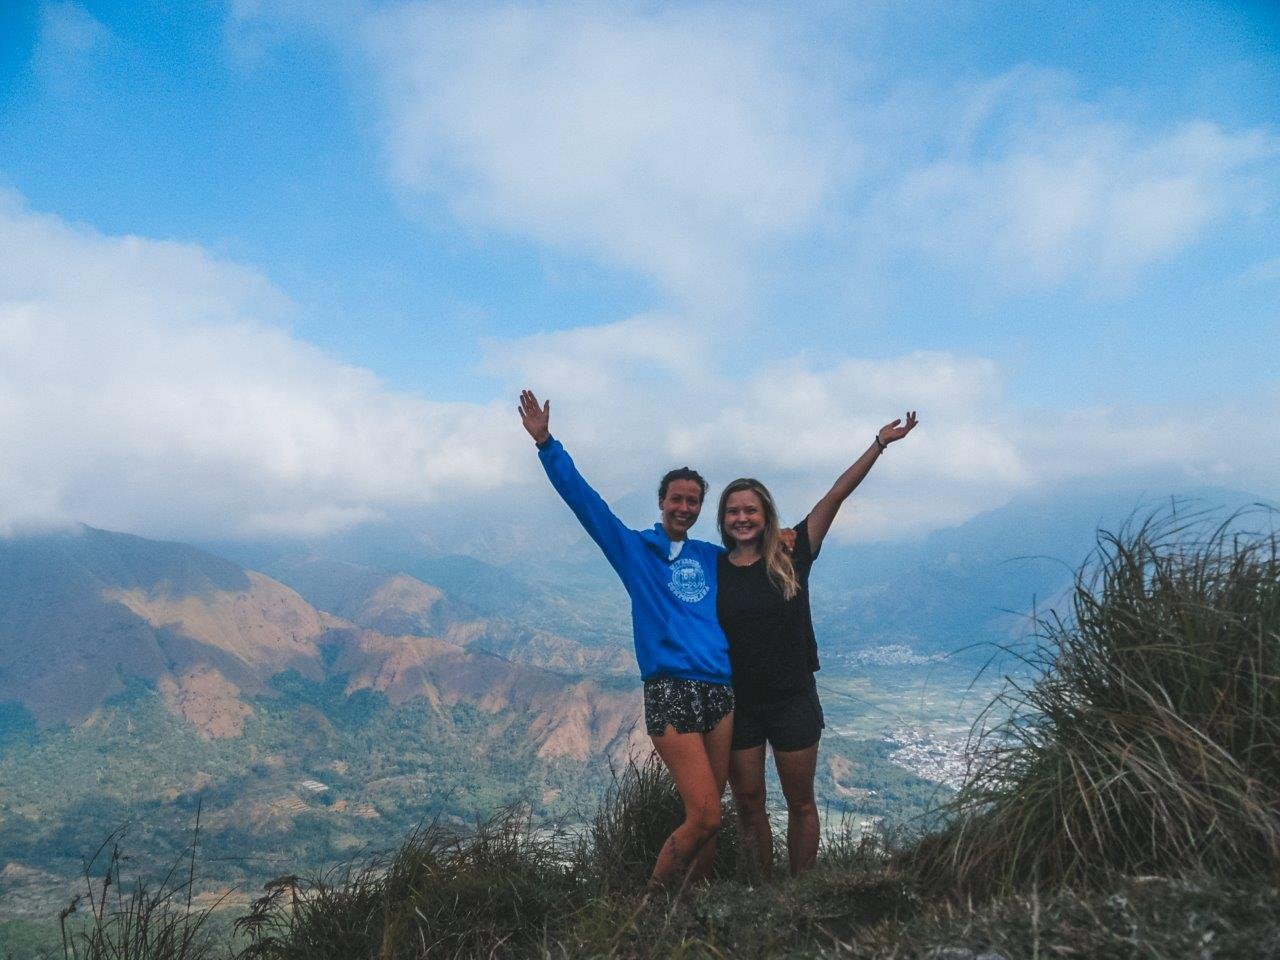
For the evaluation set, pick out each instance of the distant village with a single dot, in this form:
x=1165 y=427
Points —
x=944 y=760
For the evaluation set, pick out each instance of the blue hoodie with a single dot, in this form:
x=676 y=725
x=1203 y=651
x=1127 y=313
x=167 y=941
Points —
x=672 y=586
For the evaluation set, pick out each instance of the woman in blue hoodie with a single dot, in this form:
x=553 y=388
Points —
x=681 y=649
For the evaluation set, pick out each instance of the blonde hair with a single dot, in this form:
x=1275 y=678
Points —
x=777 y=562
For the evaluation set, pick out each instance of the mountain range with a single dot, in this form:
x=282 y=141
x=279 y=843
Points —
x=330 y=695
x=84 y=612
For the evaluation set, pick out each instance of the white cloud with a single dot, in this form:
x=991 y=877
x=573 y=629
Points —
x=698 y=143
x=592 y=361
x=632 y=399
x=68 y=28
x=678 y=142
x=1264 y=271
x=146 y=386
x=69 y=37
x=1235 y=443
x=794 y=419
x=656 y=398
x=253 y=28
x=1039 y=188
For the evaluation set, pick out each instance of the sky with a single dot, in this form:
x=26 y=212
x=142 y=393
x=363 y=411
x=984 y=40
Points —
x=279 y=268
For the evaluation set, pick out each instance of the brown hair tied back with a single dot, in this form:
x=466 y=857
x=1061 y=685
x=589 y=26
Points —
x=777 y=562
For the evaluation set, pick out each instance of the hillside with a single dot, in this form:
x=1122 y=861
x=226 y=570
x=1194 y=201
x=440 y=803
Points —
x=141 y=679
x=85 y=611
x=970 y=586
x=397 y=603
x=138 y=677
x=1119 y=806
x=978 y=584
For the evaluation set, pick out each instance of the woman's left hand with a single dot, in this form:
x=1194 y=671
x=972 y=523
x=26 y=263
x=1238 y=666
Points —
x=897 y=429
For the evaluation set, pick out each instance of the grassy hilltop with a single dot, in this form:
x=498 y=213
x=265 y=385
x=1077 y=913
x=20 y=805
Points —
x=1123 y=803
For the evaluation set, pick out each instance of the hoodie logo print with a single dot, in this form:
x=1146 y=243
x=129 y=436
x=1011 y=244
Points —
x=688 y=582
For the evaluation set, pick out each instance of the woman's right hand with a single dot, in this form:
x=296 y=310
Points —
x=536 y=419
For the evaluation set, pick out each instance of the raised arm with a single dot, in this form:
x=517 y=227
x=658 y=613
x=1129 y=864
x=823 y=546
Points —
x=824 y=512
x=609 y=533
x=536 y=419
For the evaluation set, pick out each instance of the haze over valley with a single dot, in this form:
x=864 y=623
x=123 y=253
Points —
x=320 y=706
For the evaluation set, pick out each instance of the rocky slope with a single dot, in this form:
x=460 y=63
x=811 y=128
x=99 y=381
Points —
x=83 y=612
x=396 y=603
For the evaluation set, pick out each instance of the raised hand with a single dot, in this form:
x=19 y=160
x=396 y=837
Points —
x=825 y=510
x=536 y=419
x=897 y=429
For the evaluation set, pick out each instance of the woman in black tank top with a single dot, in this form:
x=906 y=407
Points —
x=763 y=605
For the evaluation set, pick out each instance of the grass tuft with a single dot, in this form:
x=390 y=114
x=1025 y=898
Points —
x=504 y=889
x=637 y=814
x=500 y=890
x=1150 y=741
x=142 y=923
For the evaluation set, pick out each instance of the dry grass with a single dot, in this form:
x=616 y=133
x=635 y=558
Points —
x=1150 y=742
x=142 y=923
x=1145 y=918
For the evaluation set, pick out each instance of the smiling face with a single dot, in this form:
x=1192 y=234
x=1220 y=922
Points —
x=744 y=517
x=680 y=507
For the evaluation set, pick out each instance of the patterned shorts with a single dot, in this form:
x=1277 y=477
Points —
x=688 y=706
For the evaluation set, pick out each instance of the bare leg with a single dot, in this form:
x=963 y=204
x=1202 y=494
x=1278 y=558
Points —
x=685 y=755
x=717 y=742
x=746 y=774
x=795 y=771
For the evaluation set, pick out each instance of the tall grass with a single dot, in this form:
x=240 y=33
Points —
x=1150 y=742
x=637 y=814
x=498 y=890
x=502 y=889
x=143 y=923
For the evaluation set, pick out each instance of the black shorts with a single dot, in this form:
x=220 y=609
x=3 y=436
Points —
x=791 y=724
x=690 y=706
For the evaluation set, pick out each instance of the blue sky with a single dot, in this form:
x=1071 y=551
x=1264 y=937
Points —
x=278 y=266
